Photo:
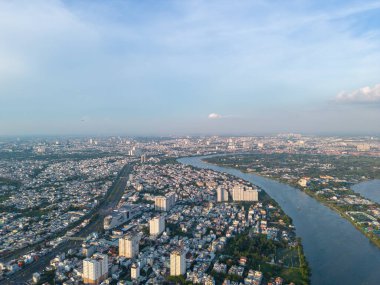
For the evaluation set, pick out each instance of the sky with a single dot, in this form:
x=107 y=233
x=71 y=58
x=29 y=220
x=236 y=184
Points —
x=189 y=67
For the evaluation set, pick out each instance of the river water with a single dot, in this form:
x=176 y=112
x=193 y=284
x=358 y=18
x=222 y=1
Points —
x=369 y=189
x=337 y=253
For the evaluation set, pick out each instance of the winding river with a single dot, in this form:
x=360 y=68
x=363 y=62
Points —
x=336 y=251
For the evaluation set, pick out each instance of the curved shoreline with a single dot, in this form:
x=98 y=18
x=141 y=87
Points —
x=322 y=230
x=375 y=240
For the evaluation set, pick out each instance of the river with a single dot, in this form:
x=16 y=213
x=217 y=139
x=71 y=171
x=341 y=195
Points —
x=337 y=253
x=369 y=189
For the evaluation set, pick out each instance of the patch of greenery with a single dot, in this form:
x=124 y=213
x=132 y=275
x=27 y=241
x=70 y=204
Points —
x=260 y=251
x=341 y=165
x=175 y=230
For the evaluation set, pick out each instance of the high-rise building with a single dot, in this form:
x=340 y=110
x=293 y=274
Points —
x=241 y=193
x=237 y=193
x=95 y=269
x=164 y=203
x=143 y=158
x=251 y=195
x=135 y=271
x=129 y=245
x=221 y=195
x=157 y=225
x=177 y=263
x=160 y=203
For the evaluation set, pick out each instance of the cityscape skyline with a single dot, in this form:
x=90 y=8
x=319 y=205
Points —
x=188 y=68
x=188 y=142
x=190 y=210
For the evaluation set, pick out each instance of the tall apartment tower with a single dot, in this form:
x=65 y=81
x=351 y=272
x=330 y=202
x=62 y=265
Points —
x=95 y=269
x=135 y=271
x=237 y=193
x=129 y=245
x=177 y=263
x=241 y=193
x=251 y=195
x=221 y=195
x=164 y=203
x=156 y=225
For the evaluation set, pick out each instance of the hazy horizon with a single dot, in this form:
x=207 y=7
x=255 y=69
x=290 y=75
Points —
x=160 y=68
x=186 y=135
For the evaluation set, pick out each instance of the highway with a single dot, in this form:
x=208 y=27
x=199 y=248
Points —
x=110 y=201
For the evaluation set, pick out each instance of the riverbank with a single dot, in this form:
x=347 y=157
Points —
x=369 y=189
x=337 y=253
x=273 y=256
x=331 y=187
x=372 y=238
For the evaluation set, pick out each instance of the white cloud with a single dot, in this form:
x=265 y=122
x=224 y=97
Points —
x=215 y=116
x=363 y=95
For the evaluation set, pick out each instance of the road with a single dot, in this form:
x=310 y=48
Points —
x=110 y=201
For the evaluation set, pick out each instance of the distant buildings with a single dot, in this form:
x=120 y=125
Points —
x=363 y=147
x=156 y=225
x=242 y=193
x=164 y=203
x=221 y=195
x=129 y=245
x=95 y=269
x=177 y=263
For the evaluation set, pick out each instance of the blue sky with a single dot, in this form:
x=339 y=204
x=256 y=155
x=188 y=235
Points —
x=162 y=67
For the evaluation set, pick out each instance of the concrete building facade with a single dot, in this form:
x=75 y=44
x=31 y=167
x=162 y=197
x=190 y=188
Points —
x=129 y=245
x=157 y=225
x=177 y=263
x=95 y=269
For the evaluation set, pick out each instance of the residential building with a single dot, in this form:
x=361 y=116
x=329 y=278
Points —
x=129 y=245
x=157 y=225
x=177 y=263
x=95 y=269
x=221 y=195
x=135 y=271
x=164 y=203
x=241 y=193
